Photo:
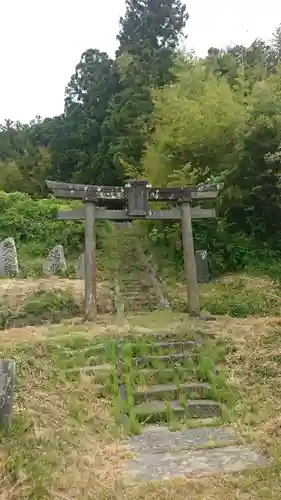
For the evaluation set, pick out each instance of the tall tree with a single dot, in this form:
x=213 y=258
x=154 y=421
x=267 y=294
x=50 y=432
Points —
x=24 y=161
x=252 y=189
x=150 y=31
x=76 y=145
x=195 y=123
x=149 y=35
x=11 y=140
x=275 y=49
x=241 y=66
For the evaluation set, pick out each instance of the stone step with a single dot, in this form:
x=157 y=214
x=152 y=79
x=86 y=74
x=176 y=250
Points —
x=159 y=466
x=92 y=348
x=135 y=282
x=185 y=344
x=166 y=358
x=135 y=291
x=138 y=299
x=160 y=339
x=159 y=439
x=151 y=410
x=105 y=368
x=197 y=336
x=146 y=342
x=148 y=376
x=151 y=376
x=140 y=306
x=172 y=390
x=141 y=295
x=148 y=346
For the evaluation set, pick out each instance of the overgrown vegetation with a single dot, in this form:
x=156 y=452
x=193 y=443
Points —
x=39 y=307
x=31 y=222
x=199 y=365
x=65 y=441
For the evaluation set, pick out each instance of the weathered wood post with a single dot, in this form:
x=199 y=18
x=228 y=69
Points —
x=189 y=259
x=7 y=380
x=90 y=261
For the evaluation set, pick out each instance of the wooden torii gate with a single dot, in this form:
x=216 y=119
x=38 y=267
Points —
x=132 y=201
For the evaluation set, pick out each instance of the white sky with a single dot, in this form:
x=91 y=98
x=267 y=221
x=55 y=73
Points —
x=41 y=42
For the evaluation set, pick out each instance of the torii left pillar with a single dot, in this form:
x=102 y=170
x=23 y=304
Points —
x=90 y=262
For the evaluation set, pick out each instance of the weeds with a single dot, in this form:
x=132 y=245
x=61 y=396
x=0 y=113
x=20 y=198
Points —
x=39 y=307
x=242 y=297
x=146 y=364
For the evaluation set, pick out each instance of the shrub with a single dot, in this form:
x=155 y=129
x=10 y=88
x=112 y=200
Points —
x=31 y=222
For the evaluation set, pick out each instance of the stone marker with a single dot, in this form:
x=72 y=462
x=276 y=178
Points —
x=7 y=380
x=9 y=265
x=202 y=266
x=55 y=261
x=80 y=268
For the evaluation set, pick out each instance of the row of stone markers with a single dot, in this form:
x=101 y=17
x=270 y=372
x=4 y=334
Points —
x=55 y=262
x=9 y=262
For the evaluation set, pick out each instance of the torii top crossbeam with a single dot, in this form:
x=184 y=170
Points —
x=88 y=192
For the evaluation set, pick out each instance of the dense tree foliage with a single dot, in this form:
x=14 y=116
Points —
x=150 y=33
x=172 y=118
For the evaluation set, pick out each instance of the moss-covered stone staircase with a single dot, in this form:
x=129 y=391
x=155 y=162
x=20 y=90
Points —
x=170 y=379
x=165 y=379
x=137 y=284
x=156 y=377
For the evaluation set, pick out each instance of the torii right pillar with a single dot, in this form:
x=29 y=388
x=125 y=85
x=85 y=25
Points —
x=189 y=260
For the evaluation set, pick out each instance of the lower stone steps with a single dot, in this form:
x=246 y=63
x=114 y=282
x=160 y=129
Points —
x=168 y=358
x=156 y=378
x=159 y=391
x=154 y=410
x=153 y=376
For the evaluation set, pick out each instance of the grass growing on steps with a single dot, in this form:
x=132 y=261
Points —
x=89 y=357
x=61 y=430
x=132 y=273
x=161 y=385
x=64 y=442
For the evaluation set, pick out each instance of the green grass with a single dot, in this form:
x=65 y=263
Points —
x=52 y=414
x=64 y=439
x=199 y=366
x=39 y=307
x=242 y=296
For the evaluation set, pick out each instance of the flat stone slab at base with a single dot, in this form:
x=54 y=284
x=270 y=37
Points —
x=161 y=454
x=160 y=466
x=158 y=439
